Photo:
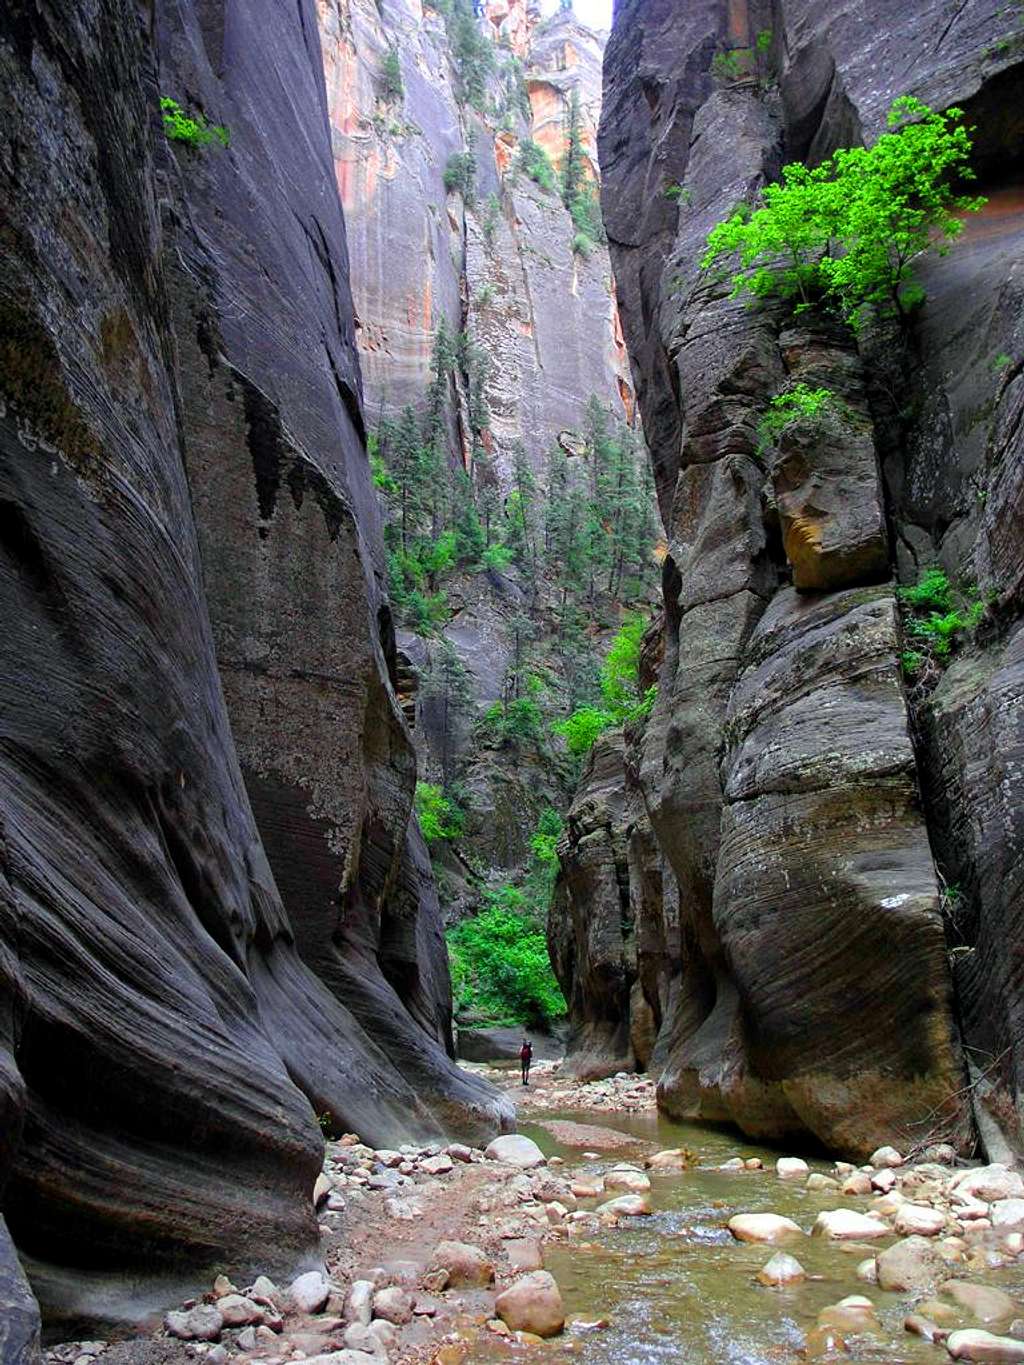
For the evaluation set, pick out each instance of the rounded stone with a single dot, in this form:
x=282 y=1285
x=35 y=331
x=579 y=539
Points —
x=515 y=1150
x=781 y=1269
x=912 y=1264
x=791 y=1168
x=763 y=1227
x=847 y=1225
x=532 y=1304
x=467 y=1266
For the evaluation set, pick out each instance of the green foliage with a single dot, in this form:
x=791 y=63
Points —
x=848 y=232
x=439 y=817
x=501 y=972
x=623 y=703
x=491 y=216
x=193 y=130
x=382 y=480
x=791 y=405
x=514 y=723
x=582 y=245
x=497 y=557
x=392 y=88
x=460 y=174
x=1002 y=362
x=938 y=618
x=582 y=727
x=732 y=65
x=533 y=161
x=472 y=51
x=679 y=194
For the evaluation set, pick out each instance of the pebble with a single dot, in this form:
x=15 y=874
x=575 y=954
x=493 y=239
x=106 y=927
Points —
x=467 y=1266
x=633 y=1182
x=359 y=1302
x=437 y=1165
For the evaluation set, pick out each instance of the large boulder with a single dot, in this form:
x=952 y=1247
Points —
x=911 y=1264
x=532 y=1304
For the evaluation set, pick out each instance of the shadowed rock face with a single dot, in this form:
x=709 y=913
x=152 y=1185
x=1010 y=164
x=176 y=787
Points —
x=205 y=943
x=613 y=924
x=778 y=769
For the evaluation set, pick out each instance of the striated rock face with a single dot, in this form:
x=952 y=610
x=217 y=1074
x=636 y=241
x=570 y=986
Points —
x=545 y=316
x=778 y=769
x=206 y=943
x=613 y=924
x=499 y=266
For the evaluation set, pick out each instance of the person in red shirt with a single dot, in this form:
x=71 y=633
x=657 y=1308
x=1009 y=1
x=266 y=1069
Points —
x=525 y=1058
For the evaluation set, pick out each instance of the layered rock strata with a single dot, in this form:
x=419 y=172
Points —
x=778 y=769
x=208 y=946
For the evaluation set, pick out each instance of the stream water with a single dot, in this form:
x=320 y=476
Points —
x=676 y=1287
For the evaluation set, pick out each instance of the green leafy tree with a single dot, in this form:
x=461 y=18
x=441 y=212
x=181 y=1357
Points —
x=473 y=53
x=850 y=230
x=533 y=161
x=440 y=818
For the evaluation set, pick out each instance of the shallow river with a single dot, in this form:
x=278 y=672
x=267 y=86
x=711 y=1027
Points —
x=677 y=1287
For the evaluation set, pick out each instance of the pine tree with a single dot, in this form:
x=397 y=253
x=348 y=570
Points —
x=447 y=682
x=573 y=171
x=521 y=511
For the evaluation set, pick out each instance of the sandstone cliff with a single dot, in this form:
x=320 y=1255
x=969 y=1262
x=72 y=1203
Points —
x=216 y=921
x=810 y=808
x=499 y=265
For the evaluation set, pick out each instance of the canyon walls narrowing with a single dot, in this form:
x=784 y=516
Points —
x=811 y=808
x=217 y=921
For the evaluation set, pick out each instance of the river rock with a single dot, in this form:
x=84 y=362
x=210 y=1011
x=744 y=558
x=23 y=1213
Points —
x=885 y=1156
x=912 y=1264
x=763 y=1227
x=587 y=1187
x=990 y=1183
x=924 y=1327
x=532 y=1304
x=633 y=1182
x=919 y=1220
x=310 y=1292
x=781 y=1269
x=867 y=1270
x=817 y=1181
x=238 y=1311
x=359 y=1337
x=437 y=1165
x=202 y=1323
x=672 y=1159
x=393 y=1305
x=524 y=1254
x=626 y=1206
x=466 y=1265
x=791 y=1168
x=982 y=1301
x=513 y=1149
x=884 y=1180
x=858 y=1183
x=847 y=1225
x=1007 y=1213
x=359 y=1302
x=972 y=1344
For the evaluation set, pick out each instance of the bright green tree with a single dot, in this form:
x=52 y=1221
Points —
x=850 y=230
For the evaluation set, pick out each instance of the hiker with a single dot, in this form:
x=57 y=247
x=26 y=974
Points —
x=525 y=1058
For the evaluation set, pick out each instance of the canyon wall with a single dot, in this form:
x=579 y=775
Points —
x=819 y=812
x=217 y=921
x=501 y=266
